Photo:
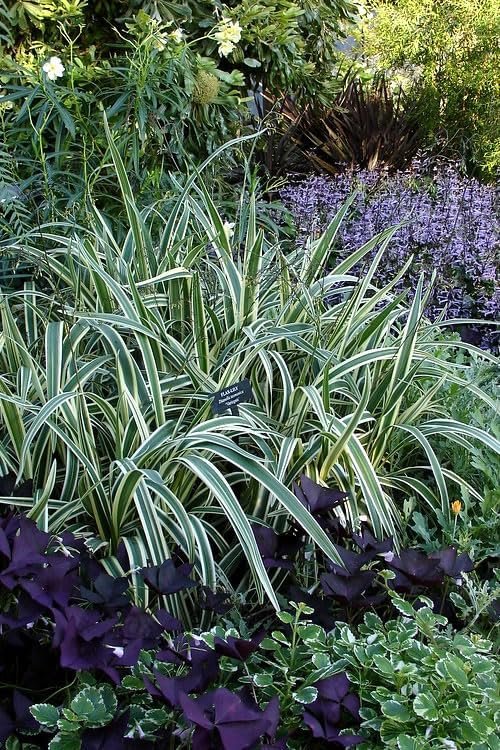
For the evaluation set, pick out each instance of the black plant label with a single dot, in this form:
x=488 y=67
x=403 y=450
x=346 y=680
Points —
x=231 y=396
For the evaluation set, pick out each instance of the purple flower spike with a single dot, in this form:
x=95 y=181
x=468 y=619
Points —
x=451 y=227
x=225 y=721
x=323 y=715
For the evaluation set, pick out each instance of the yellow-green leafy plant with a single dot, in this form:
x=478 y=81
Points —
x=446 y=52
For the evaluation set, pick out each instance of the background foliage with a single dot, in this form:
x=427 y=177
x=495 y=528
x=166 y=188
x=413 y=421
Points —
x=444 y=52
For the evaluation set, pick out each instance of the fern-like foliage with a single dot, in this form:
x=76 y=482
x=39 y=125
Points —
x=6 y=26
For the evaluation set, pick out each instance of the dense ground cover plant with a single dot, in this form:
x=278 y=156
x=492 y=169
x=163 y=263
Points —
x=89 y=669
x=110 y=358
x=420 y=684
x=449 y=224
x=443 y=52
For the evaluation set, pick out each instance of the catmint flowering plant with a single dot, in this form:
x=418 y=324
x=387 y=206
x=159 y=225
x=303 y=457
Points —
x=449 y=222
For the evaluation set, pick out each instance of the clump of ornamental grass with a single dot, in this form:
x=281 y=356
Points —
x=105 y=396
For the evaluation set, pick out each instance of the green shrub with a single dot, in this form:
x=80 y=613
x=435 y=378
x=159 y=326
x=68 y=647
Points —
x=283 y=44
x=446 y=53
x=172 y=77
x=421 y=685
x=148 y=80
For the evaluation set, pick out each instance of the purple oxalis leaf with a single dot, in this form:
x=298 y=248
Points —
x=202 y=663
x=352 y=561
x=451 y=563
x=238 y=648
x=414 y=568
x=114 y=737
x=224 y=720
x=368 y=543
x=19 y=718
x=167 y=578
x=316 y=498
x=347 y=588
x=323 y=715
x=81 y=635
x=214 y=601
x=109 y=592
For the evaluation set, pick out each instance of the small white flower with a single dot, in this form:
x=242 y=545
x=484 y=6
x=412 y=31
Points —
x=233 y=32
x=428 y=732
x=229 y=31
x=363 y=518
x=177 y=35
x=229 y=229
x=225 y=49
x=388 y=556
x=449 y=744
x=136 y=733
x=118 y=652
x=53 y=68
x=160 y=42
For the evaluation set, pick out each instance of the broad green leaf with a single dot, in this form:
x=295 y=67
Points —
x=395 y=710
x=425 y=706
x=305 y=695
x=46 y=714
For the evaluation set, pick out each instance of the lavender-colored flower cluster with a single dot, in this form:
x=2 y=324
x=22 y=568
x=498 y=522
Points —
x=452 y=227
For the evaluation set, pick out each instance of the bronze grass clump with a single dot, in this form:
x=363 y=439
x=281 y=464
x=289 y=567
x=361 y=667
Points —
x=367 y=125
